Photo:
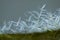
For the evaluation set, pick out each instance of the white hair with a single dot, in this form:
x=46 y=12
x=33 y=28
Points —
x=37 y=22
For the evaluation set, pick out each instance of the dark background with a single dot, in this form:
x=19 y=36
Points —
x=13 y=9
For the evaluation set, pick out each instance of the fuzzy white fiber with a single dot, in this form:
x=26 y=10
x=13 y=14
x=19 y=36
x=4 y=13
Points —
x=37 y=22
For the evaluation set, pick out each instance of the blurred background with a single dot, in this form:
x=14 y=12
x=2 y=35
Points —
x=13 y=9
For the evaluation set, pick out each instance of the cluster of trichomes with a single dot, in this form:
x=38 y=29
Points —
x=37 y=22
